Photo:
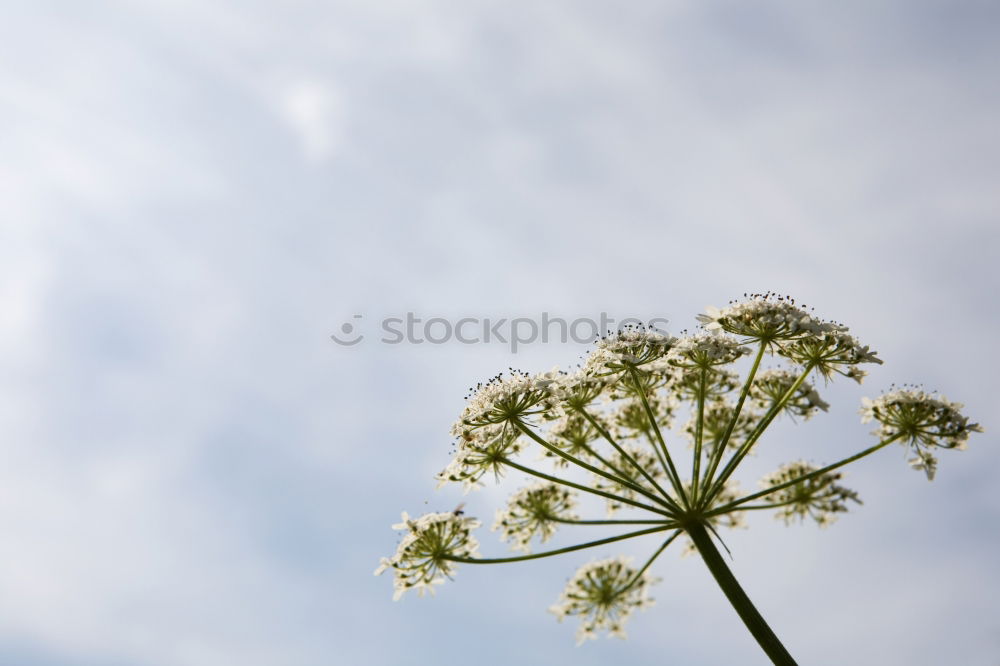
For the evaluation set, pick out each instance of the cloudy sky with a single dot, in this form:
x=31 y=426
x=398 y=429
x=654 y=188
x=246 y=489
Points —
x=195 y=195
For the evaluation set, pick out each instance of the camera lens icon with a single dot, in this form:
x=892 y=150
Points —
x=350 y=338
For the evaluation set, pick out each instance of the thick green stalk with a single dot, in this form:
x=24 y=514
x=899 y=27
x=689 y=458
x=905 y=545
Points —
x=766 y=638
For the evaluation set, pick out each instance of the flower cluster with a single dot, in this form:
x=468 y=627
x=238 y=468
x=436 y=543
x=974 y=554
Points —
x=768 y=317
x=704 y=350
x=572 y=434
x=627 y=349
x=423 y=556
x=803 y=493
x=632 y=420
x=603 y=594
x=480 y=451
x=578 y=390
x=503 y=399
x=794 y=333
x=610 y=431
x=717 y=383
x=718 y=416
x=771 y=386
x=831 y=352
x=921 y=421
x=535 y=511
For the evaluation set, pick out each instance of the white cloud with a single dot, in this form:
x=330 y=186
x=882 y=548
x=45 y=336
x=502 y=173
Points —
x=314 y=113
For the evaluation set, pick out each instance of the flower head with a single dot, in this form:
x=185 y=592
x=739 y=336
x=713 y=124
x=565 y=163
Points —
x=579 y=389
x=718 y=382
x=921 y=421
x=573 y=434
x=604 y=594
x=770 y=386
x=503 y=399
x=535 y=510
x=829 y=352
x=422 y=558
x=479 y=451
x=628 y=348
x=818 y=497
x=768 y=317
x=704 y=350
x=717 y=417
x=631 y=419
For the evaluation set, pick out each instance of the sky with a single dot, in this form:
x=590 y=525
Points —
x=195 y=195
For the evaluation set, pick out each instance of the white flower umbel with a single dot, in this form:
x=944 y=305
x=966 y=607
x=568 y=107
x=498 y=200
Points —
x=603 y=594
x=768 y=317
x=609 y=429
x=574 y=433
x=921 y=421
x=631 y=420
x=830 y=352
x=535 y=511
x=480 y=451
x=704 y=350
x=719 y=382
x=503 y=399
x=421 y=560
x=629 y=348
x=579 y=389
x=718 y=419
x=770 y=386
x=817 y=497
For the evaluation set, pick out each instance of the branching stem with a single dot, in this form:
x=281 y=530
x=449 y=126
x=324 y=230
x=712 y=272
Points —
x=559 y=551
x=804 y=477
x=586 y=489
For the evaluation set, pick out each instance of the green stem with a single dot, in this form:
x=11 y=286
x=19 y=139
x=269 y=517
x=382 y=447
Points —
x=523 y=427
x=698 y=434
x=759 y=507
x=656 y=449
x=611 y=522
x=560 y=551
x=625 y=454
x=720 y=448
x=804 y=477
x=751 y=617
x=651 y=559
x=757 y=432
x=586 y=489
x=671 y=471
x=607 y=463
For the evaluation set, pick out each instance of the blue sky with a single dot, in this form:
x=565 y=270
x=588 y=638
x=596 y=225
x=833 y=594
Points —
x=194 y=195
